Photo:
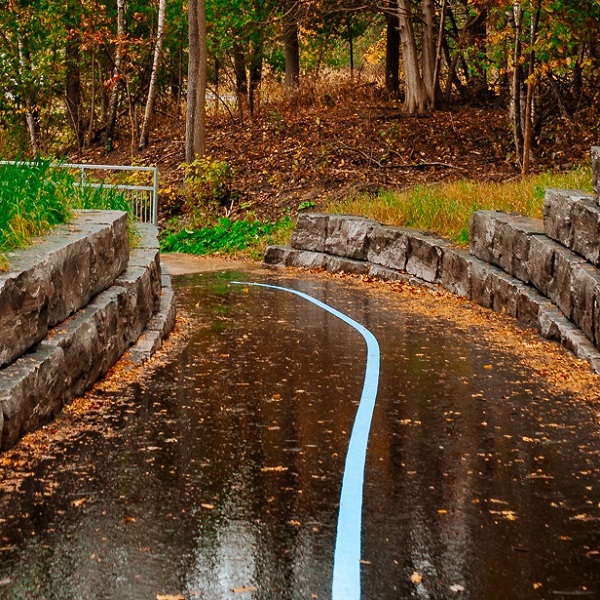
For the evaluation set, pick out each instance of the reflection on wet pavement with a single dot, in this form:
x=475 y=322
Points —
x=219 y=476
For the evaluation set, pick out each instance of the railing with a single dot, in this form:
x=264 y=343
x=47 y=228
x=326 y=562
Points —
x=143 y=196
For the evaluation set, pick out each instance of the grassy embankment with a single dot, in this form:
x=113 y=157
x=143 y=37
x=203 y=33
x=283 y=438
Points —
x=446 y=208
x=35 y=198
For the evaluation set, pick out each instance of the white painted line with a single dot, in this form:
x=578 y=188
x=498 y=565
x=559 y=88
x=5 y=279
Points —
x=346 y=560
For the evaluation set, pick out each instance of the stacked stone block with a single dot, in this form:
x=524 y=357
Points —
x=542 y=272
x=111 y=298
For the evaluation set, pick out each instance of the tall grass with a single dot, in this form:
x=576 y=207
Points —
x=36 y=196
x=446 y=208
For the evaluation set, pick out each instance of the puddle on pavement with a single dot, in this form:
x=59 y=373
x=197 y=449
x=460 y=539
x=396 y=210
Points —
x=219 y=477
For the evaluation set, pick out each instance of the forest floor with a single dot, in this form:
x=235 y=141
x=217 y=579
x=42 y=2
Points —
x=289 y=158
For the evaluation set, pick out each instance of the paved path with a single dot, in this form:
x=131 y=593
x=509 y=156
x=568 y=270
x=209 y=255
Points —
x=217 y=475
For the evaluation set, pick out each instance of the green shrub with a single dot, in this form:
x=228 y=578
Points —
x=226 y=237
x=208 y=186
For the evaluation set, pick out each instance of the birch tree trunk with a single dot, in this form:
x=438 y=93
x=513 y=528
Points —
x=517 y=80
x=117 y=78
x=153 y=88
x=30 y=117
x=528 y=132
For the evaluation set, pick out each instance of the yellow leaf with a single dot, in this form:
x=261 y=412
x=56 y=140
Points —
x=244 y=589
x=416 y=577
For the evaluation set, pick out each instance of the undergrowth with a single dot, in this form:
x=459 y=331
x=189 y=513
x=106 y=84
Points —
x=446 y=208
x=36 y=196
x=227 y=237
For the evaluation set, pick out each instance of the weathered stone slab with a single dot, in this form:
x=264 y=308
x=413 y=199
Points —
x=310 y=232
x=109 y=248
x=31 y=393
x=506 y=291
x=530 y=306
x=306 y=259
x=277 y=256
x=386 y=274
x=504 y=240
x=339 y=264
x=425 y=255
x=144 y=269
x=86 y=345
x=573 y=219
x=49 y=281
x=348 y=236
x=585 y=295
x=388 y=247
x=481 y=282
x=91 y=342
x=560 y=290
x=455 y=271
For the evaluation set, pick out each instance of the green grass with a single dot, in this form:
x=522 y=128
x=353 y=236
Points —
x=446 y=208
x=36 y=197
x=227 y=237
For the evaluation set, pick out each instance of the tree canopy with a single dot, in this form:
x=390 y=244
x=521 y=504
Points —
x=75 y=72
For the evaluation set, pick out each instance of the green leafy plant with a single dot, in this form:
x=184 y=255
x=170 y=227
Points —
x=36 y=196
x=306 y=204
x=208 y=185
x=226 y=237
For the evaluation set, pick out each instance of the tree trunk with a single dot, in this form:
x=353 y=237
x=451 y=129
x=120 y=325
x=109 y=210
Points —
x=73 y=87
x=415 y=98
x=153 y=88
x=392 y=54
x=438 y=54
x=196 y=93
x=256 y=65
x=517 y=81
x=429 y=46
x=31 y=117
x=351 y=46
x=528 y=133
x=292 y=49
x=90 y=127
x=241 y=78
x=117 y=78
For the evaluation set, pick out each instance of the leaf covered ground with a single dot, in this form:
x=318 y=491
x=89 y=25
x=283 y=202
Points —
x=290 y=158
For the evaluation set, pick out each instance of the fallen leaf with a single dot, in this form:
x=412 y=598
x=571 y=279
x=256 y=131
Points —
x=169 y=597
x=457 y=588
x=244 y=589
x=79 y=502
x=416 y=577
x=207 y=506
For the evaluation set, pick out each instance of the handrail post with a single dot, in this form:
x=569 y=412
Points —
x=155 y=197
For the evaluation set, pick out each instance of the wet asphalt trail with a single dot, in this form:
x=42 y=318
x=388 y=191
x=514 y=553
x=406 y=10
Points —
x=220 y=477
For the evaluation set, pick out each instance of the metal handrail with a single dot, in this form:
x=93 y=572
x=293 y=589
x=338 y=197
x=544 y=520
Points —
x=140 y=210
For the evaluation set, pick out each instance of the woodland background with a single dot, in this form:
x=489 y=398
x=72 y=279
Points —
x=283 y=103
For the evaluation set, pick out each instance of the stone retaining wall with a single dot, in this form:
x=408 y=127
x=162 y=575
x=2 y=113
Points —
x=85 y=298
x=543 y=273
